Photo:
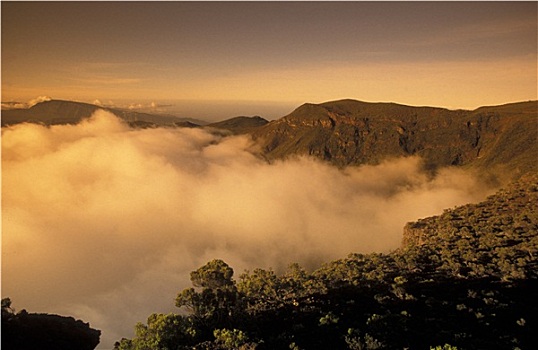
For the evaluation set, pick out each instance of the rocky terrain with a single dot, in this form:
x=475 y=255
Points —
x=349 y=132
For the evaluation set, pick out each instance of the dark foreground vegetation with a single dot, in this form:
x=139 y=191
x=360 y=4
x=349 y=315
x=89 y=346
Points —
x=29 y=331
x=467 y=279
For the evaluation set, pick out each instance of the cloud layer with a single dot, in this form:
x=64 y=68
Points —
x=105 y=223
x=29 y=104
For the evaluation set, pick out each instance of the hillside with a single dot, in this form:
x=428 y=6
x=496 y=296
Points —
x=497 y=237
x=349 y=132
x=70 y=112
x=240 y=125
x=467 y=279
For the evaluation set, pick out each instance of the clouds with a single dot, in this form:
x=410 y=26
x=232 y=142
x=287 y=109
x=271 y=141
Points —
x=104 y=222
x=31 y=103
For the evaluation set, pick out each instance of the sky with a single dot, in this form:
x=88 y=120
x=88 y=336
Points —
x=269 y=57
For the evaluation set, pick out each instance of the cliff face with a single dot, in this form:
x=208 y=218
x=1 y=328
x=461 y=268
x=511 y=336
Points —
x=351 y=132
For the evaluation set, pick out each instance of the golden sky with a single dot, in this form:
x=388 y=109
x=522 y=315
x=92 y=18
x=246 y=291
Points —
x=450 y=54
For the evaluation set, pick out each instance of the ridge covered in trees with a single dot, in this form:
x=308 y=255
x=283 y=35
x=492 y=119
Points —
x=466 y=279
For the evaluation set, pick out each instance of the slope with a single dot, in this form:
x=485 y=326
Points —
x=350 y=132
x=467 y=278
x=240 y=125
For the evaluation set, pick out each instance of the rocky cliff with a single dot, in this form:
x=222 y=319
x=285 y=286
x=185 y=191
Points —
x=350 y=132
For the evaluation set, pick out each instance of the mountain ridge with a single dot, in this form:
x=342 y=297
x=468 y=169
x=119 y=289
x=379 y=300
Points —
x=493 y=139
x=350 y=132
x=53 y=112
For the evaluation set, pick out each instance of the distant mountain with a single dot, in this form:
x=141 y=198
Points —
x=348 y=132
x=49 y=112
x=70 y=112
x=240 y=125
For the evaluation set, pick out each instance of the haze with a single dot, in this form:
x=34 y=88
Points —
x=279 y=54
x=105 y=223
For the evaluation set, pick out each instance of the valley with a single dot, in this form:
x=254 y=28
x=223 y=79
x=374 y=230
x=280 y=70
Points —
x=463 y=274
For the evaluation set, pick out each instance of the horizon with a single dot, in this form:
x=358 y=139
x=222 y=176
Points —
x=214 y=111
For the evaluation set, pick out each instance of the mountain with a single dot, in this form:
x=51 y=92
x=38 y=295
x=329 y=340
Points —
x=350 y=132
x=240 y=125
x=49 y=112
x=70 y=112
x=500 y=140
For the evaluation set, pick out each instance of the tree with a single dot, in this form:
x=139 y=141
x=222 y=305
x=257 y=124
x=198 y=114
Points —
x=230 y=339
x=259 y=289
x=162 y=332
x=217 y=301
x=215 y=274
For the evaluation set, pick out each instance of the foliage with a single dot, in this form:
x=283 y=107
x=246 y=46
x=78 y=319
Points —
x=215 y=274
x=444 y=347
x=162 y=332
x=230 y=339
x=466 y=279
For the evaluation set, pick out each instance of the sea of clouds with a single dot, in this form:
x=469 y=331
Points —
x=104 y=222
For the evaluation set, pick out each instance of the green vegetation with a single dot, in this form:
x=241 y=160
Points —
x=466 y=279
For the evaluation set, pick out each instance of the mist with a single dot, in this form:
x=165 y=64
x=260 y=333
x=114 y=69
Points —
x=104 y=223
